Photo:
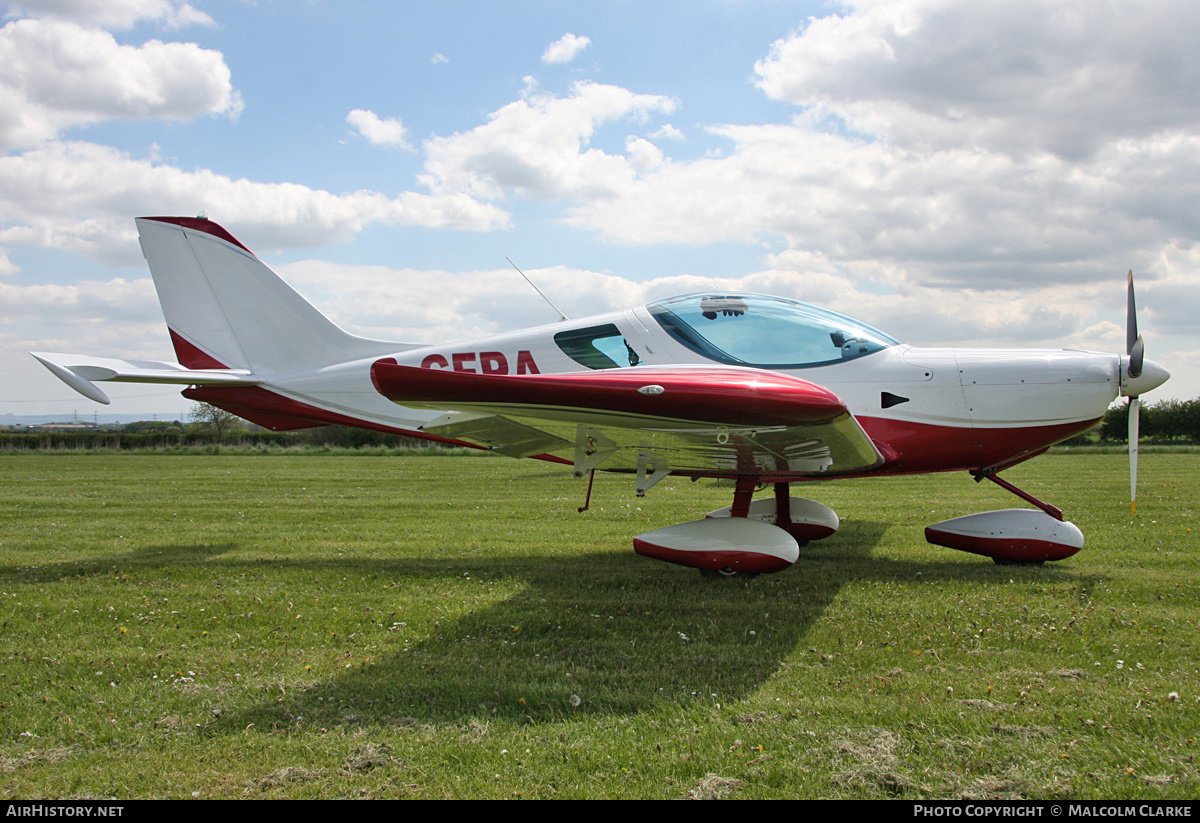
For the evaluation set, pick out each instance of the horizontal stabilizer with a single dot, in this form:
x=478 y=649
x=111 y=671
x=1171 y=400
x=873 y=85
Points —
x=80 y=370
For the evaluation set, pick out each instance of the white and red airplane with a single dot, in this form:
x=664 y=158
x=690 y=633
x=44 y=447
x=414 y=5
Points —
x=760 y=390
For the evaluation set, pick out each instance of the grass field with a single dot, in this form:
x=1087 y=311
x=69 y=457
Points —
x=240 y=626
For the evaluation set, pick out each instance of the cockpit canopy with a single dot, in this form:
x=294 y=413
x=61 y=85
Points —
x=766 y=332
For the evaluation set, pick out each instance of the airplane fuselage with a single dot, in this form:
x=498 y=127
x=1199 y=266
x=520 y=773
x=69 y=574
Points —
x=926 y=409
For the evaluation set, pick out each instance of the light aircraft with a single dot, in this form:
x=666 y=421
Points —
x=755 y=389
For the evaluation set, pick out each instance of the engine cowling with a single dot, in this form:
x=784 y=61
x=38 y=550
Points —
x=1019 y=535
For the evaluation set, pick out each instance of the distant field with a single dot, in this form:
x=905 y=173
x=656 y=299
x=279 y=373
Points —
x=294 y=626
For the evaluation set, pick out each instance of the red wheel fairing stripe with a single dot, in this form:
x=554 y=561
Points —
x=1003 y=548
x=742 y=561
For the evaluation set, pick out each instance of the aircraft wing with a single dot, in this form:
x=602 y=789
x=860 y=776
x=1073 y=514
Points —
x=693 y=420
x=79 y=370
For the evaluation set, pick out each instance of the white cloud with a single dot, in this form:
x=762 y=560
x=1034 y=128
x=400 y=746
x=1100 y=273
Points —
x=80 y=196
x=1008 y=76
x=7 y=267
x=538 y=146
x=565 y=49
x=114 y=14
x=89 y=301
x=932 y=161
x=439 y=58
x=985 y=146
x=389 y=132
x=667 y=132
x=961 y=212
x=643 y=155
x=59 y=74
x=116 y=317
x=44 y=192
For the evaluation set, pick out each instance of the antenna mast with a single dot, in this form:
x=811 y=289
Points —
x=561 y=317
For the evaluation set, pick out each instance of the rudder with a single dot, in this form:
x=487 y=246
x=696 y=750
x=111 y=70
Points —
x=226 y=309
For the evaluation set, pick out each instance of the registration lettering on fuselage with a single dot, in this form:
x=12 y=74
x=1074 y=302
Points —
x=488 y=362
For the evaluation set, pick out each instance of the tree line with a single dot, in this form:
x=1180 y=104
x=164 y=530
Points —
x=183 y=438
x=208 y=426
x=1167 y=421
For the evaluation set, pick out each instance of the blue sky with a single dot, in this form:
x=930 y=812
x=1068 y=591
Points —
x=962 y=174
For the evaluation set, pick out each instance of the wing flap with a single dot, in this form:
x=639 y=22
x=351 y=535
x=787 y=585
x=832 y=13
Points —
x=508 y=437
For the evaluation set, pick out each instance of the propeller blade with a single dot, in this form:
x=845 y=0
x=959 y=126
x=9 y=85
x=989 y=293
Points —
x=1131 y=331
x=1135 y=348
x=1135 y=406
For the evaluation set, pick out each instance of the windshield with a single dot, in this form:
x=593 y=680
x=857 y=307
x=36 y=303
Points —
x=766 y=332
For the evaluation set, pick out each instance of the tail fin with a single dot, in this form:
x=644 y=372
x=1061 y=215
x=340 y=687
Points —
x=226 y=309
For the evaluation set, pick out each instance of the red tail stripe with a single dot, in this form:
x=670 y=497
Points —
x=201 y=224
x=192 y=357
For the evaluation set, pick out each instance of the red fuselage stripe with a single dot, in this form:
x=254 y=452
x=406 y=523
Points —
x=922 y=447
x=719 y=396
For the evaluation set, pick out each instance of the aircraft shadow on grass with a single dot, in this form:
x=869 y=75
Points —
x=153 y=556
x=525 y=657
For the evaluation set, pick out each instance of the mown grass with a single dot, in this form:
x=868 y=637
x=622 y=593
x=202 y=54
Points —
x=238 y=449
x=226 y=627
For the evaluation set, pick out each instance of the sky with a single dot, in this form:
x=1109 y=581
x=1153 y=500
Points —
x=978 y=173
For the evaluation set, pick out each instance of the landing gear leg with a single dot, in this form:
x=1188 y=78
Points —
x=743 y=493
x=783 y=513
x=1053 y=511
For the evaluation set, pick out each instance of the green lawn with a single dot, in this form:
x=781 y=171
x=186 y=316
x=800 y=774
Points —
x=328 y=626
